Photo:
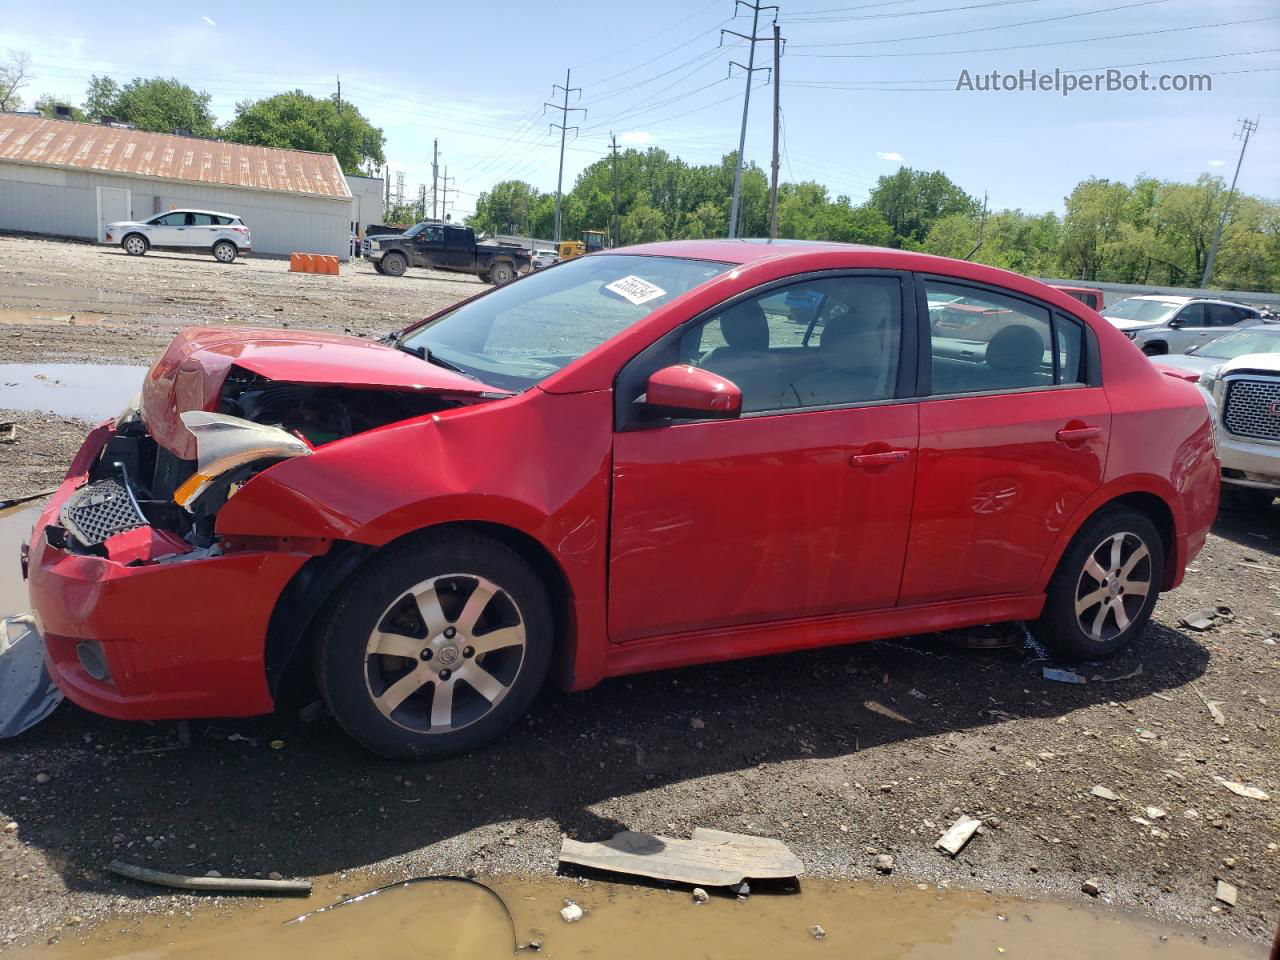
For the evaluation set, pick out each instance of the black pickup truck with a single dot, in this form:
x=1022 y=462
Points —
x=445 y=246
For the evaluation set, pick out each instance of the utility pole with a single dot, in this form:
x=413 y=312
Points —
x=339 y=95
x=777 y=117
x=565 y=110
x=614 y=230
x=435 y=178
x=422 y=200
x=386 y=188
x=445 y=178
x=1246 y=128
x=750 y=69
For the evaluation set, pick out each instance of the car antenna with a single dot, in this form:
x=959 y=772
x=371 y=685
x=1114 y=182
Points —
x=982 y=228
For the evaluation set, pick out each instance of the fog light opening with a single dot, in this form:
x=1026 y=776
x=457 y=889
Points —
x=89 y=652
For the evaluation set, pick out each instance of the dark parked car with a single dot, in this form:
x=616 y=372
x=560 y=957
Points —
x=446 y=246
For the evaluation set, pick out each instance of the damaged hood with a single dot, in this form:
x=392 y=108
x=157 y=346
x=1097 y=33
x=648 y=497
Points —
x=193 y=369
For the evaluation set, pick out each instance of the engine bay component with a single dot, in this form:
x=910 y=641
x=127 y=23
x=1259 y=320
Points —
x=224 y=443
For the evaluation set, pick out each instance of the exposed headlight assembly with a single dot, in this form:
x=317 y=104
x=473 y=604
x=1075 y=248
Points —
x=224 y=443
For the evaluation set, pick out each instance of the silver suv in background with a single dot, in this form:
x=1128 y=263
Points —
x=1244 y=400
x=222 y=234
x=1160 y=324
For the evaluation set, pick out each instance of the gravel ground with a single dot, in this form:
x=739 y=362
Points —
x=843 y=753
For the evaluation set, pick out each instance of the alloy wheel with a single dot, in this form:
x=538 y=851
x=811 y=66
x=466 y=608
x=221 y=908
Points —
x=445 y=653
x=135 y=246
x=224 y=252
x=1113 y=586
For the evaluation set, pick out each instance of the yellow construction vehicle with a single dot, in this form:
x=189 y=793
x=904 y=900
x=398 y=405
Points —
x=592 y=241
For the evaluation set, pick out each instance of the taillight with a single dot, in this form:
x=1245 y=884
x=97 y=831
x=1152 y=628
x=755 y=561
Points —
x=240 y=229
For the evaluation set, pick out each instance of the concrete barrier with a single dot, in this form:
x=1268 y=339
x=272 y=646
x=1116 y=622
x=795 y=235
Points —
x=312 y=263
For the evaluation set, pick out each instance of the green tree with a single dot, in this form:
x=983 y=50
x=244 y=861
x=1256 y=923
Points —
x=298 y=121
x=912 y=200
x=507 y=207
x=164 y=106
x=100 y=99
x=643 y=224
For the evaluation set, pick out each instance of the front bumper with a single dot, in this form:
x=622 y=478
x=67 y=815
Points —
x=150 y=635
x=1249 y=464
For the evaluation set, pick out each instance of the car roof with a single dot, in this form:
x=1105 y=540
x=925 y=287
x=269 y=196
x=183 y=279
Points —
x=742 y=250
x=1184 y=299
x=219 y=213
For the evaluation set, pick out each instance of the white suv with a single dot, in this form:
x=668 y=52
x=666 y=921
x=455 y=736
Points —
x=223 y=234
x=1160 y=324
x=1244 y=401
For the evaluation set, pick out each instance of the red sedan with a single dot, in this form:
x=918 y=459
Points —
x=637 y=460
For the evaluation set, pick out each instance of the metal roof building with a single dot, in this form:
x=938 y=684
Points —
x=71 y=179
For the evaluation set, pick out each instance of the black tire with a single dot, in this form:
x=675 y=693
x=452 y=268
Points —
x=395 y=264
x=224 y=251
x=1156 y=348
x=354 y=680
x=135 y=244
x=1119 y=618
x=501 y=272
x=1246 y=499
x=484 y=277
x=377 y=265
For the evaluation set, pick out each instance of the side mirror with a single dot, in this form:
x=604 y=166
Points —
x=1191 y=349
x=1177 y=323
x=685 y=391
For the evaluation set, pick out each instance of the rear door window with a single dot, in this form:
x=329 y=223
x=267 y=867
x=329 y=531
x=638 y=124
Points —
x=201 y=220
x=1194 y=315
x=983 y=341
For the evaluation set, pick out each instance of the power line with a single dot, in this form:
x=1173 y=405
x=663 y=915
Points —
x=998 y=26
x=801 y=18
x=1031 y=46
x=636 y=43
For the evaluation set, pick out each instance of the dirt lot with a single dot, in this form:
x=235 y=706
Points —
x=843 y=753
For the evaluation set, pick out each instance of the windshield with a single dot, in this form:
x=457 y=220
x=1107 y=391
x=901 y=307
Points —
x=521 y=333
x=1238 y=344
x=416 y=229
x=1146 y=311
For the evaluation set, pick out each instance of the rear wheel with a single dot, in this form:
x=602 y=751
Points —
x=224 y=251
x=501 y=273
x=1101 y=596
x=394 y=264
x=135 y=244
x=436 y=647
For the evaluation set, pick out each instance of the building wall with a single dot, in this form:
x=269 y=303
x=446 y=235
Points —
x=65 y=203
x=367 y=203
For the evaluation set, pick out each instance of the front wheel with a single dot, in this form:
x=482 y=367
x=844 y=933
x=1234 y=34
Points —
x=377 y=265
x=501 y=273
x=135 y=245
x=1101 y=596
x=224 y=251
x=436 y=647
x=1157 y=348
x=394 y=264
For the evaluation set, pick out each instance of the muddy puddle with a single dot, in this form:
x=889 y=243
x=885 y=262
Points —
x=89 y=391
x=57 y=318
x=54 y=296
x=456 y=920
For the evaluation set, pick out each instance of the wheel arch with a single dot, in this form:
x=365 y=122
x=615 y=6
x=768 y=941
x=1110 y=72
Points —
x=1158 y=507
x=302 y=605
x=136 y=233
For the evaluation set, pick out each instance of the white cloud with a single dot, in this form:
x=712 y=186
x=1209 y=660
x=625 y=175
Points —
x=209 y=21
x=1217 y=163
x=634 y=138
x=892 y=156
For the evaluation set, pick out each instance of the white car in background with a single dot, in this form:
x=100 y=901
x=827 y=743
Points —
x=1244 y=401
x=1160 y=324
x=545 y=258
x=222 y=234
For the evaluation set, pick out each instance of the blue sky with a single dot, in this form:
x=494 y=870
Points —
x=866 y=84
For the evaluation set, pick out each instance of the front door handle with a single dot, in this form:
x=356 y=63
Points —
x=1076 y=434
x=884 y=458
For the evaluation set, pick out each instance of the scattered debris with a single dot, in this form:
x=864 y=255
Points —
x=1092 y=886
x=27 y=694
x=212 y=881
x=817 y=932
x=957 y=835
x=570 y=912
x=1135 y=672
x=711 y=858
x=1226 y=893
x=1211 y=706
x=884 y=863
x=876 y=707
x=1207 y=619
x=1104 y=793
x=742 y=890
x=1062 y=676
x=8 y=432
x=700 y=895
x=1155 y=813
x=1240 y=790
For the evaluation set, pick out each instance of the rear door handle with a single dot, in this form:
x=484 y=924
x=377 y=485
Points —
x=884 y=458
x=1076 y=434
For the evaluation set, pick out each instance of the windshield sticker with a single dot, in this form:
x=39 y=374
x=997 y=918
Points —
x=635 y=290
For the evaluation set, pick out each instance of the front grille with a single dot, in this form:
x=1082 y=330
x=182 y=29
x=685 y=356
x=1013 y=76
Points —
x=170 y=473
x=1253 y=409
x=99 y=511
